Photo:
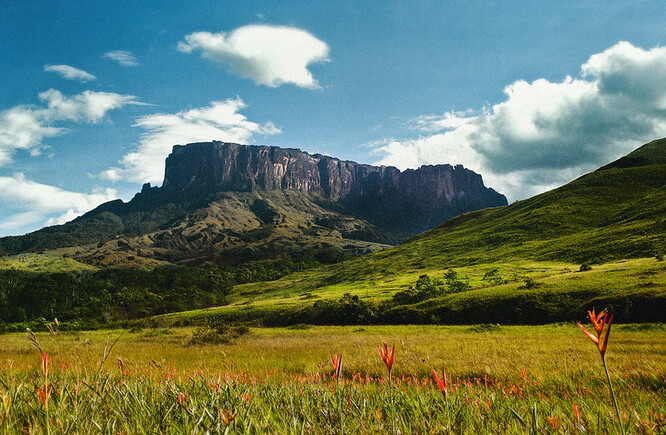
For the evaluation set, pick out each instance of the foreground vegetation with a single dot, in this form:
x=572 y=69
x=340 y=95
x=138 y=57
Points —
x=545 y=379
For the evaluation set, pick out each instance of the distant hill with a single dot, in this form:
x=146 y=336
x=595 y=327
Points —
x=615 y=212
x=226 y=203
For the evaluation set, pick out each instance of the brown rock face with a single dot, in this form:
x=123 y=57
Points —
x=409 y=202
x=226 y=203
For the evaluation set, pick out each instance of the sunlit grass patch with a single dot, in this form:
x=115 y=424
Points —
x=281 y=380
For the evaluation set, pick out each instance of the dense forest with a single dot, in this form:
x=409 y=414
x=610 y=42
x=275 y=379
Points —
x=90 y=299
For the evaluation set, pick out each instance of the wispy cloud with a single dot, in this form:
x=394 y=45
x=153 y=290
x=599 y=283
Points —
x=24 y=127
x=70 y=73
x=268 y=55
x=124 y=58
x=547 y=133
x=447 y=121
x=219 y=121
x=42 y=202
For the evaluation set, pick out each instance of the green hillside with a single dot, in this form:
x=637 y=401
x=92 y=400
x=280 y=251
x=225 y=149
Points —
x=616 y=212
x=535 y=246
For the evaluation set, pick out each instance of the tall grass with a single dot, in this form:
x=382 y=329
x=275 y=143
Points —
x=507 y=379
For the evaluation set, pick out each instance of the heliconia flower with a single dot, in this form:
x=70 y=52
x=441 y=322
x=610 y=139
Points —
x=44 y=394
x=442 y=383
x=45 y=365
x=387 y=356
x=337 y=365
x=600 y=323
x=554 y=422
x=576 y=413
x=227 y=416
x=182 y=397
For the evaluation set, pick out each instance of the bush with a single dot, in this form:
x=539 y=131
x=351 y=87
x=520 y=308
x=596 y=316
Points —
x=493 y=277
x=530 y=283
x=585 y=267
x=219 y=334
x=455 y=285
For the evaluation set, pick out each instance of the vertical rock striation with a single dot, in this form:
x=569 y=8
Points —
x=409 y=202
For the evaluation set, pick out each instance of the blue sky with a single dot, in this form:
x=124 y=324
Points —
x=529 y=94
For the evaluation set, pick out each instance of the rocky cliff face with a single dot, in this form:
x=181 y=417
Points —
x=411 y=201
x=227 y=203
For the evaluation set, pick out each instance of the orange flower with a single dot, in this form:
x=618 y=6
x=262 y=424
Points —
x=554 y=422
x=599 y=324
x=45 y=365
x=576 y=413
x=44 y=394
x=182 y=397
x=337 y=365
x=227 y=416
x=443 y=383
x=387 y=356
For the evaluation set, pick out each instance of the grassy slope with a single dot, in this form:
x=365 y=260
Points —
x=634 y=289
x=611 y=214
x=41 y=263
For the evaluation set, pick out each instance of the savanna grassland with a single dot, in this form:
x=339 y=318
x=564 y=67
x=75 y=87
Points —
x=216 y=349
x=499 y=379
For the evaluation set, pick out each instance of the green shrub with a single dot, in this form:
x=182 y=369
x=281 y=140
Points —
x=530 y=283
x=493 y=277
x=454 y=284
x=218 y=334
x=585 y=267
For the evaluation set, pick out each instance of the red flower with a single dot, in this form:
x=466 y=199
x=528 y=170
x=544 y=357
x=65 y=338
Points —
x=45 y=365
x=227 y=416
x=599 y=324
x=443 y=383
x=554 y=422
x=387 y=356
x=182 y=397
x=337 y=365
x=44 y=394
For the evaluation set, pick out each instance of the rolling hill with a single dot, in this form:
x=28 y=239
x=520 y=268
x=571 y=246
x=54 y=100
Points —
x=616 y=212
x=613 y=220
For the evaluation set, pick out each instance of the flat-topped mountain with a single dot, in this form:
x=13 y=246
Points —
x=409 y=202
x=229 y=203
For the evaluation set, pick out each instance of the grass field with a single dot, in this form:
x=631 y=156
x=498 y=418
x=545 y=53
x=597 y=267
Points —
x=43 y=263
x=635 y=289
x=503 y=379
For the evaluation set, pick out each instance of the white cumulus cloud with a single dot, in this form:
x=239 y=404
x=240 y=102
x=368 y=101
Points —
x=42 y=202
x=122 y=57
x=268 y=55
x=24 y=127
x=219 y=121
x=545 y=133
x=70 y=73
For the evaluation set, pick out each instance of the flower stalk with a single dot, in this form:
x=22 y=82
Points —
x=337 y=367
x=387 y=356
x=602 y=322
